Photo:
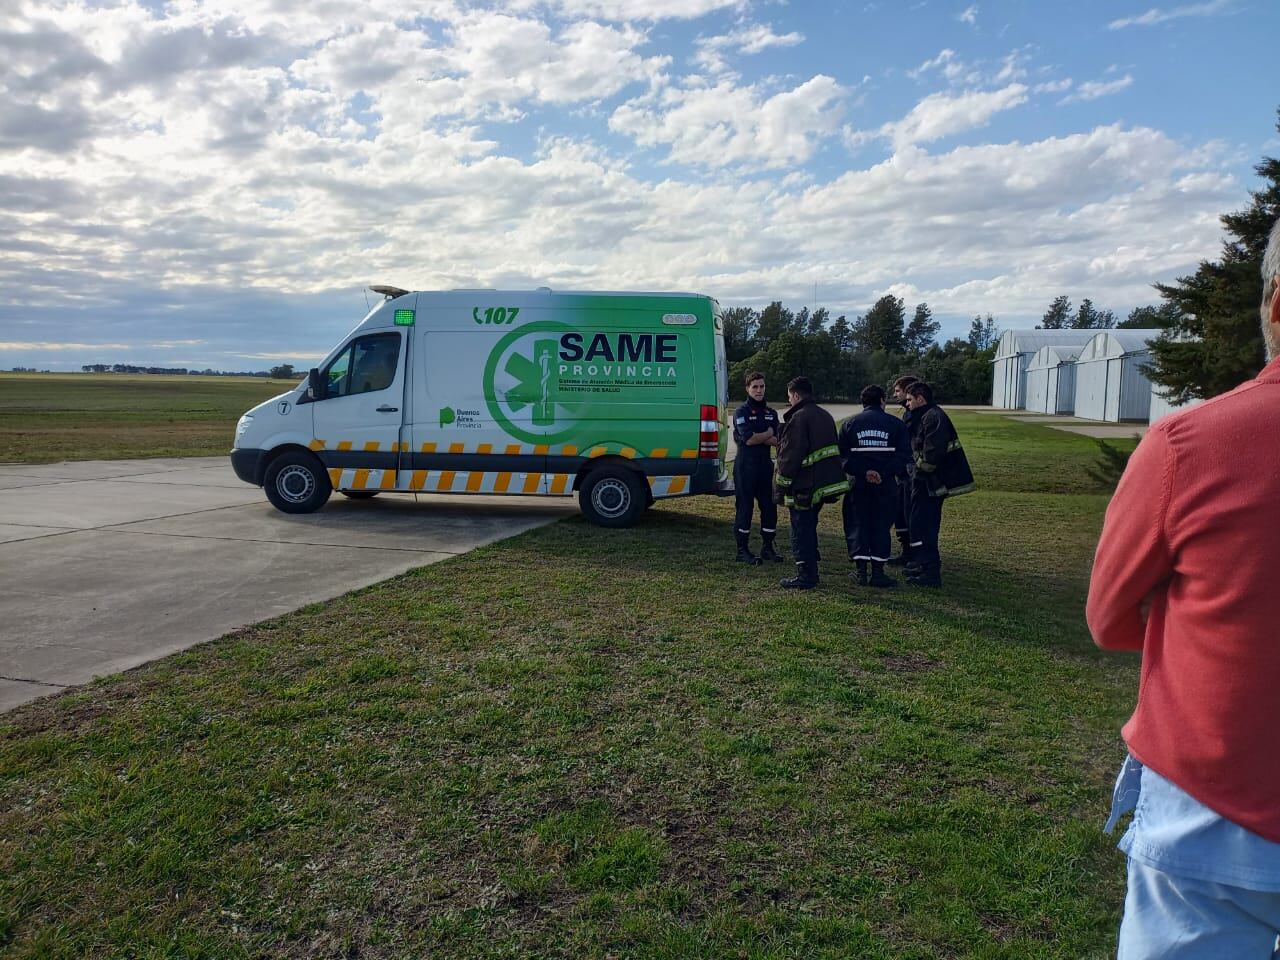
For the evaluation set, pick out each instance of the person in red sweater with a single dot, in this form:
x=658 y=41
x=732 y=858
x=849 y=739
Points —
x=1187 y=571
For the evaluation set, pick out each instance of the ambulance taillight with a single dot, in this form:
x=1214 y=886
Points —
x=709 y=432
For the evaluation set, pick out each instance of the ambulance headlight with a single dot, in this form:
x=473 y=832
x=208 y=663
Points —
x=242 y=425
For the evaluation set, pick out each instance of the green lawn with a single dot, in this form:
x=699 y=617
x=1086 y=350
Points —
x=590 y=743
x=79 y=416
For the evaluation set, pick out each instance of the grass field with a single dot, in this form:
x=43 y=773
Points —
x=590 y=743
x=80 y=416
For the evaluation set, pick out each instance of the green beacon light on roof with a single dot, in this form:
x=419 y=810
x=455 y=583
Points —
x=404 y=318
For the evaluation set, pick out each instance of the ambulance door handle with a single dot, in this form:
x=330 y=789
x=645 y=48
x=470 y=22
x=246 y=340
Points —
x=386 y=409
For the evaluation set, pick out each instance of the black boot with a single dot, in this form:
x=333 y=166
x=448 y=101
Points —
x=806 y=577
x=879 y=578
x=744 y=552
x=904 y=555
x=767 y=552
x=860 y=573
x=929 y=575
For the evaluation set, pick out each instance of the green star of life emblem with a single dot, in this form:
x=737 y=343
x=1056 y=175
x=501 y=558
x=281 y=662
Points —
x=521 y=385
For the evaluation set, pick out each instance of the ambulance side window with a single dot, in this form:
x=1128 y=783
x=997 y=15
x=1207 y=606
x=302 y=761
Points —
x=366 y=365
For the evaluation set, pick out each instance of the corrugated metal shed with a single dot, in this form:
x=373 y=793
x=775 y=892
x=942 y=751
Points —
x=1110 y=384
x=1013 y=355
x=1051 y=380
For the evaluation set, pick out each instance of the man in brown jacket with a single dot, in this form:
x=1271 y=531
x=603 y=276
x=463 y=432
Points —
x=809 y=474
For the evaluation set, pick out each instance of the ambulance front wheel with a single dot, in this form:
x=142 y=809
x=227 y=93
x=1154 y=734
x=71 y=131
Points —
x=296 y=482
x=612 y=496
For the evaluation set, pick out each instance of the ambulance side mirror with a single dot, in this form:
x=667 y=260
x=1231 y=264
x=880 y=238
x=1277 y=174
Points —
x=315 y=385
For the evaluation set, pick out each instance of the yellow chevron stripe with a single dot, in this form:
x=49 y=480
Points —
x=316 y=444
x=485 y=448
x=335 y=476
x=629 y=452
x=344 y=444
x=597 y=452
x=502 y=482
x=446 y=481
x=361 y=480
x=677 y=485
x=457 y=447
x=513 y=449
x=428 y=448
x=474 y=480
x=419 y=478
x=659 y=452
x=688 y=454
x=388 y=479
x=541 y=449
x=560 y=482
x=531 y=482
x=569 y=451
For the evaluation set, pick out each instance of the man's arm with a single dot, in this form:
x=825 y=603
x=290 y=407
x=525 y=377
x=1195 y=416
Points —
x=933 y=443
x=901 y=450
x=1133 y=557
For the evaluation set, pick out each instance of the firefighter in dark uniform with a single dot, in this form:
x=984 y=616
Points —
x=755 y=429
x=942 y=470
x=901 y=524
x=809 y=475
x=875 y=449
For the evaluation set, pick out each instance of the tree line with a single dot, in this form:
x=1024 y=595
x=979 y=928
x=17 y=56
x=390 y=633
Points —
x=841 y=356
x=284 y=371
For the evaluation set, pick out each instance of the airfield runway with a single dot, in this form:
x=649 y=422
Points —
x=109 y=564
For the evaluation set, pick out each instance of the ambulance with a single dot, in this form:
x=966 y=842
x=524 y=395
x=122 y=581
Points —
x=619 y=398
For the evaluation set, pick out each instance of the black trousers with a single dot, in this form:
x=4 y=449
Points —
x=926 y=522
x=753 y=485
x=868 y=512
x=902 y=517
x=804 y=534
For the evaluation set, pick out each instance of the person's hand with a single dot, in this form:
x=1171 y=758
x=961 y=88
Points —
x=772 y=441
x=873 y=476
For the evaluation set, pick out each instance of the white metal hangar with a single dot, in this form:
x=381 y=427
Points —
x=1051 y=380
x=1110 y=384
x=1013 y=356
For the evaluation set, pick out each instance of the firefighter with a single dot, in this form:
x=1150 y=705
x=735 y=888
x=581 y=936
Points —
x=942 y=470
x=809 y=475
x=901 y=525
x=875 y=449
x=755 y=429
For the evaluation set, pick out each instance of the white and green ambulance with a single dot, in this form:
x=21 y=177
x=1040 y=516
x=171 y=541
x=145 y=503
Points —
x=617 y=397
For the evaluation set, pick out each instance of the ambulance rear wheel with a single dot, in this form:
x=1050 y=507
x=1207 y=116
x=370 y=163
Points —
x=612 y=496
x=296 y=482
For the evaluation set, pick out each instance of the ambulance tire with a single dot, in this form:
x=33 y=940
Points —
x=359 y=494
x=296 y=482
x=613 y=496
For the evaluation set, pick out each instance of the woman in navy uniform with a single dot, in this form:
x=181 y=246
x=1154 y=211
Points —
x=755 y=429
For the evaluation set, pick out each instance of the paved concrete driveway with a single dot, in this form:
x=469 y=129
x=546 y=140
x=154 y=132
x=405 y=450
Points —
x=109 y=564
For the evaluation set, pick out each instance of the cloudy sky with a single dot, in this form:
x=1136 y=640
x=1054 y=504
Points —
x=213 y=183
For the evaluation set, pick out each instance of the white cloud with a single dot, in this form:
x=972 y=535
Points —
x=969 y=15
x=1158 y=15
x=942 y=115
x=645 y=10
x=1094 y=89
x=748 y=39
x=246 y=188
x=726 y=125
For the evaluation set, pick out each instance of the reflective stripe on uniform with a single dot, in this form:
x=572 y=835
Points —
x=821 y=454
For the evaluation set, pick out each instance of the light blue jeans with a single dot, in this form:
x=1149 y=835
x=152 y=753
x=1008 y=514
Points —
x=1179 y=918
